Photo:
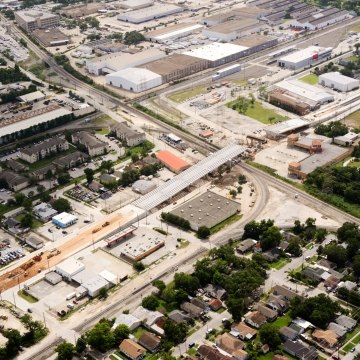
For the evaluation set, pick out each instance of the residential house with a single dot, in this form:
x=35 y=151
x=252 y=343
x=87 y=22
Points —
x=216 y=292
x=215 y=304
x=297 y=328
x=16 y=166
x=300 y=351
x=15 y=226
x=327 y=264
x=303 y=323
x=39 y=151
x=93 y=146
x=287 y=333
x=283 y=245
x=106 y=179
x=208 y=353
x=326 y=338
x=332 y=282
x=95 y=186
x=271 y=255
x=346 y=321
x=339 y=330
x=193 y=310
x=179 y=317
x=245 y=332
x=129 y=320
x=246 y=245
x=313 y=274
x=349 y=285
x=278 y=303
x=240 y=354
x=270 y=314
x=71 y=160
x=44 y=212
x=229 y=343
x=15 y=182
x=200 y=303
x=150 y=341
x=132 y=350
x=150 y=319
x=41 y=174
x=255 y=319
x=288 y=294
x=128 y=135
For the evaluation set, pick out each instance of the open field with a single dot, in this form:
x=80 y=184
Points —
x=311 y=79
x=353 y=119
x=181 y=96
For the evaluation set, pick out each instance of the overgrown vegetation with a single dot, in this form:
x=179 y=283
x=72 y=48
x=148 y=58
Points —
x=176 y=220
x=332 y=129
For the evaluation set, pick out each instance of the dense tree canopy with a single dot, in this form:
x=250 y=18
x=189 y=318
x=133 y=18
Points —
x=332 y=129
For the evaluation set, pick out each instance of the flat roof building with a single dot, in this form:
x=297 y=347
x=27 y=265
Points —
x=283 y=128
x=218 y=53
x=32 y=97
x=171 y=161
x=64 y=220
x=31 y=20
x=136 y=4
x=134 y=79
x=69 y=267
x=208 y=209
x=337 y=81
x=51 y=37
x=255 y=43
x=170 y=33
x=305 y=57
x=34 y=242
x=149 y=13
x=93 y=283
x=143 y=186
x=140 y=248
x=111 y=63
x=176 y=66
x=44 y=212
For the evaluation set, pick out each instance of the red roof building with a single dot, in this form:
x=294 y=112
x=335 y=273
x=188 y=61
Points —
x=172 y=162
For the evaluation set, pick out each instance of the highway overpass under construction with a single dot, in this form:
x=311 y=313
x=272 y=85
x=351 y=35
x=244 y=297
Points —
x=188 y=177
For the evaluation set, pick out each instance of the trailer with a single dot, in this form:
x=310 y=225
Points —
x=226 y=71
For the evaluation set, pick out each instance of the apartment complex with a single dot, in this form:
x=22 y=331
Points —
x=31 y=20
x=93 y=145
x=130 y=136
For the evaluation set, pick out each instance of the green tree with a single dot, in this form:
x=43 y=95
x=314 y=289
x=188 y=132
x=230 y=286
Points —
x=203 y=232
x=269 y=335
x=62 y=205
x=27 y=203
x=356 y=265
x=188 y=283
x=235 y=307
x=80 y=345
x=121 y=332
x=160 y=285
x=27 y=220
x=175 y=333
x=14 y=341
x=100 y=337
x=65 y=351
x=138 y=266
x=45 y=196
x=134 y=158
x=150 y=302
x=133 y=38
x=89 y=173
x=63 y=178
x=103 y=293
x=19 y=198
x=336 y=254
x=233 y=193
x=294 y=247
x=270 y=238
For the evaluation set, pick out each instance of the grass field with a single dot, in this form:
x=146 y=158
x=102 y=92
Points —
x=355 y=28
x=103 y=131
x=353 y=119
x=181 y=96
x=27 y=297
x=138 y=332
x=279 y=264
x=355 y=164
x=311 y=79
x=282 y=321
x=260 y=113
x=226 y=222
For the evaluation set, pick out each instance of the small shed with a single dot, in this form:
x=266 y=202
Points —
x=53 y=278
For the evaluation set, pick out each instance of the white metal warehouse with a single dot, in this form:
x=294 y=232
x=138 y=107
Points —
x=337 y=81
x=134 y=79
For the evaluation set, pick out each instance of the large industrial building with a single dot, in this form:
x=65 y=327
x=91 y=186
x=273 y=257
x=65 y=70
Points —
x=176 y=66
x=255 y=43
x=31 y=20
x=136 y=4
x=304 y=92
x=111 y=63
x=218 y=53
x=171 y=33
x=337 y=81
x=149 y=13
x=288 y=102
x=134 y=79
x=304 y=58
x=284 y=128
x=51 y=37
x=320 y=19
x=208 y=209
x=234 y=29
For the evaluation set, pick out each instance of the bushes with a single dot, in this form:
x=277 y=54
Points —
x=176 y=220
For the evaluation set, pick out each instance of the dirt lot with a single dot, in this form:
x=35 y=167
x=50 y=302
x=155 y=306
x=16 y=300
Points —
x=353 y=120
x=10 y=321
x=83 y=239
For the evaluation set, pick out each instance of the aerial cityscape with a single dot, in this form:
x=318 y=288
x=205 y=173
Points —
x=179 y=180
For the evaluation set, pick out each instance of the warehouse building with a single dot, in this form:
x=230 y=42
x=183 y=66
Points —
x=111 y=63
x=176 y=66
x=337 y=81
x=171 y=161
x=288 y=102
x=143 y=186
x=218 y=53
x=69 y=267
x=93 y=283
x=140 y=248
x=31 y=20
x=304 y=92
x=234 y=29
x=208 y=209
x=304 y=58
x=279 y=130
x=320 y=19
x=255 y=43
x=51 y=37
x=170 y=33
x=136 y=4
x=347 y=139
x=134 y=79
x=149 y=13
x=64 y=220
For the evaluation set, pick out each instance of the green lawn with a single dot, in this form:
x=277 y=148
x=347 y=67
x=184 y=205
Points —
x=181 y=96
x=192 y=351
x=258 y=112
x=353 y=119
x=354 y=164
x=138 y=332
x=279 y=264
x=27 y=297
x=232 y=219
x=348 y=347
x=103 y=131
x=311 y=79
x=36 y=223
x=168 y=307
x=282 y=321
x=355 y=28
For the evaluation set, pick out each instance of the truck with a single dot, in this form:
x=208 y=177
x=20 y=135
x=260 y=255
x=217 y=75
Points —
x=226 y=71
x=71 y=295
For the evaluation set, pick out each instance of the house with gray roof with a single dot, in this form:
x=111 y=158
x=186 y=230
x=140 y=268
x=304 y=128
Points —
x=246 y=245
x=346 y=321
x=71 y=160
x=93 y=146
x=16 y=166
x=193 y=310
x=339 y=330
x=15 y=182
x=40 y=174
x=179 y=316
x=127 y=134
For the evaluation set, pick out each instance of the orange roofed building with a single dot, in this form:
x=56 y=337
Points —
x=172 y=162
